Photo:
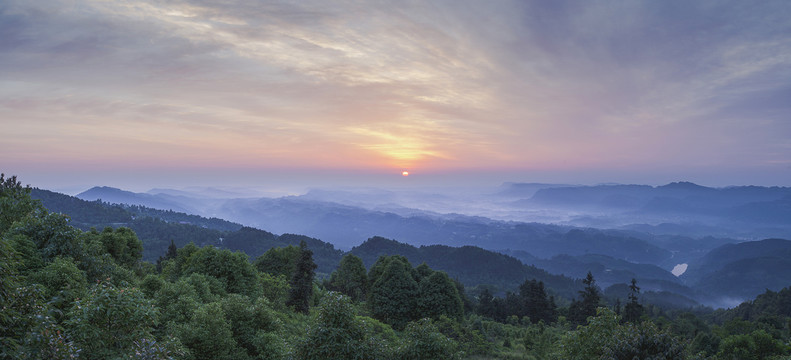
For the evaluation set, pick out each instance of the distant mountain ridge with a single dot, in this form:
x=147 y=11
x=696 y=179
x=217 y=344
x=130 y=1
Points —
x=156 y=228
x=472 y=265
x=675 y=196
x=118 y=196
x=347 y=226
x=556 y=248
x=680 y=208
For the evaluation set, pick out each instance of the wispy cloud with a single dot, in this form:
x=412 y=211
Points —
x=441 y=84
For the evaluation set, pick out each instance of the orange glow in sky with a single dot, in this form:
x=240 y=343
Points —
x=155 y=86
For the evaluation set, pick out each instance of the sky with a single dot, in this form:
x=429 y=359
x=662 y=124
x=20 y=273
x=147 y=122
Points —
x=147 y=93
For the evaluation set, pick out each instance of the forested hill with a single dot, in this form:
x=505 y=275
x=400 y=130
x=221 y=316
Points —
x=742 y=271
x=469 y=264
x=85 y=213
x=157 y=228
x=69 y=294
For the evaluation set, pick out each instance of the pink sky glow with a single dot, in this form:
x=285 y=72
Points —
x=146 y=93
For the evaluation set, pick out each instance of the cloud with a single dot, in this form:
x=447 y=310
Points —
x=447 y=84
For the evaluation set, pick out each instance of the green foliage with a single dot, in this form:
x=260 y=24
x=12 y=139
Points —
x=393 y=297
x=470 y=341
x=63 y=282
x=325 y=255
x=122 y=244
x=208 y=335
x=157 y=234
x=278 y=261
x=254 y=326
x=437 y=296
x=770 y=303
x=15 y=202
x=84 y=214
x=633 y=309
x=173 y=269
x=26 y=253
x=31 y=329
x=338 y=334
x=177 y=302
x=150 y=349
x=302 y=281
x=753 y=346
x=232 y=269
x=486 y=306
x=52 y=235
x=350 y=278
x=378 y=268
x=169 y=255
x=379 y=330
x=580 y=311
x=541 y=340
x=12 y=322
x=108 y=321
x=706 y=344
x=537 y=305
x=422 y=340
x=211 y=303
x=151 y=284
x=274 y=288
x=469 y=264
x=49 y=341
x=207 y=287
x=423 y=271
x=606 y=338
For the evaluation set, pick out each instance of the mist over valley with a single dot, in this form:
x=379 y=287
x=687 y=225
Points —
x=617 y=232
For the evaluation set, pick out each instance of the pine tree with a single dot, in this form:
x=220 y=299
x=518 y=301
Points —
x=302 y=280
x=536 y=302
x=579 y=311
x=633 y=309
x=170 y=254
x=172 y=251
x=486 y=305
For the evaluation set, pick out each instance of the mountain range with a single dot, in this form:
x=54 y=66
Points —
x=361 y=221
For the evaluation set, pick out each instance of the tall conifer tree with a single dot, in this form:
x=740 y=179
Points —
x=633 y=309
x=579 y=311
x=302 y=280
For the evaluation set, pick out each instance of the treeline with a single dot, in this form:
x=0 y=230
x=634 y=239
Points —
x=68 y=293
x=469 y=264
x=158 y=228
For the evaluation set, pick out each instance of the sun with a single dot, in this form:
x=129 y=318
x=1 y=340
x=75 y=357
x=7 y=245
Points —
x=405 y=173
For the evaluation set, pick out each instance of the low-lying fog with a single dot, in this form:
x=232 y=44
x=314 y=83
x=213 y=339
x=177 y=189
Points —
x=662 y=235
x=678 y=208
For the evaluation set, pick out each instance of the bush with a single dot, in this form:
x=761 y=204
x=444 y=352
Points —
x=208 y=335
x=109 y=320
x=338 y=334
x=605 y=338
x=422 y=340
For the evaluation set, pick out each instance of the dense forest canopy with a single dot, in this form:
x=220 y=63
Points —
x=92 y=293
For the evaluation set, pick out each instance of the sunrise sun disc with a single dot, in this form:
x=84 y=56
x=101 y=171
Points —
x=405 y=173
